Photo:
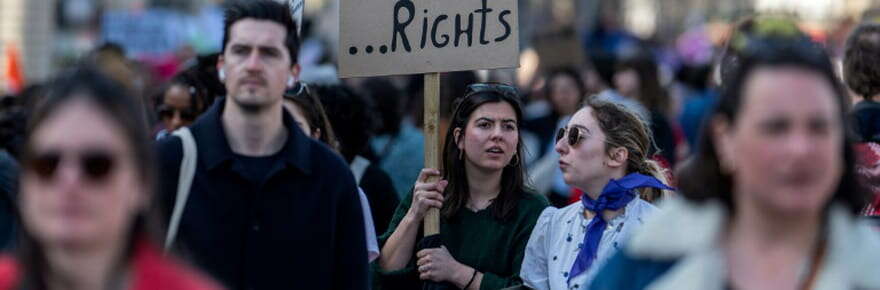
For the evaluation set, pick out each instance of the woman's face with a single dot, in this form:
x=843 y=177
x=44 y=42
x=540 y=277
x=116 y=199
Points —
x=564 y=94
x=299 y=117
x=627 y=82
x=584 y=165
x=80 y=188
x=490 y=140
x=176 y=109
x=785 y=151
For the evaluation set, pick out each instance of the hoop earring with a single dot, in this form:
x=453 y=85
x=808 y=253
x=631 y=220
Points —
x=515 y=158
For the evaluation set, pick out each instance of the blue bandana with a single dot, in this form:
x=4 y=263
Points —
x=616 y=195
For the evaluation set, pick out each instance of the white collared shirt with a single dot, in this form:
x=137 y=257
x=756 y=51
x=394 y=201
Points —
x=558 y=236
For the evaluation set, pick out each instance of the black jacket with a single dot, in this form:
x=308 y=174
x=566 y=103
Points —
x=866 y=115
x=301 y=228
x=380 y=193
x=9 y=171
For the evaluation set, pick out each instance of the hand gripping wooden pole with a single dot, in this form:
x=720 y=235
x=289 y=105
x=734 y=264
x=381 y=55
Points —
x=432 y=144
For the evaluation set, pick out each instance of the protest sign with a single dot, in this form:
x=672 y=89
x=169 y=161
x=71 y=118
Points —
x=389 y=37
x=394 y=37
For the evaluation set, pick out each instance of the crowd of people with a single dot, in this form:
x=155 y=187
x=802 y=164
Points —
x=758 y=171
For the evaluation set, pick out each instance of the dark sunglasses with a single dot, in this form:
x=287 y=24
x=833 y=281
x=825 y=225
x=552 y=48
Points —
x=499 y=88
x=166 y=112
x=94 y=164
x=574 y=135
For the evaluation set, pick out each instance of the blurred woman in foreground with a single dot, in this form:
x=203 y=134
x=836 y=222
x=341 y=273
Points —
x=771 y=199
x=86 y=186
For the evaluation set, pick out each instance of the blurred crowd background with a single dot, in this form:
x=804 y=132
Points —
x=659 y=55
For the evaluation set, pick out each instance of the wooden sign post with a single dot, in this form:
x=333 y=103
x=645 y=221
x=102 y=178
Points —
x=432 y=143
x=396 y=37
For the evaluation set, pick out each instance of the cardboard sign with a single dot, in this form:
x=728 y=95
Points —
x=388 y=37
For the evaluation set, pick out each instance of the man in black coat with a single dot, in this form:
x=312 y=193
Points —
x=269 y=208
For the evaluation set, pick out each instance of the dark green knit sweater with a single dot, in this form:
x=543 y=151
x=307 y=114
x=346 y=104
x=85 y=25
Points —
x=476 y=239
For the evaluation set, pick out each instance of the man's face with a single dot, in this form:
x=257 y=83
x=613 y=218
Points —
x=256 y=63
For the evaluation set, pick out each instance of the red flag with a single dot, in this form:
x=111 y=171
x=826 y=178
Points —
x=14 y=75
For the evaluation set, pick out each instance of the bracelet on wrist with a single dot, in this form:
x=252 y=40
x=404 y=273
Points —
x=473 y=276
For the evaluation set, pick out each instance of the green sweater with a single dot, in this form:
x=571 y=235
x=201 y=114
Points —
x=475 y=239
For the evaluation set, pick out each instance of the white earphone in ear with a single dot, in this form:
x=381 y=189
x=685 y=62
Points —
x=290 y=81
x=221 y=74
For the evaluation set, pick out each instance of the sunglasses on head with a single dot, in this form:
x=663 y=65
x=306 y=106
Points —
x=95 y=165
x=499 y=88
x=300 y=89
x=574 y=135
x=166 y=112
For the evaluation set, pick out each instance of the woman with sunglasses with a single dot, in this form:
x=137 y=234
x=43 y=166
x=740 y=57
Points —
x=770 y=200
x=85 y=196
x=182 y=101
x=309 y=114
x=604 y=151
x=486 y=211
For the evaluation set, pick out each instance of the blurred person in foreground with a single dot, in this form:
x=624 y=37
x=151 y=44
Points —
x=486 y=210
x=85 y=196
x=771 y=198
x=268 y=207
x=604 y=151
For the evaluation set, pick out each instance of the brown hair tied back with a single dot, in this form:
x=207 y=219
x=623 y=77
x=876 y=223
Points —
x=624 y=128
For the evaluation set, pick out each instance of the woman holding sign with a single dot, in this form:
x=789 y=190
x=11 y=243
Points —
x=486 y=211
x=603 y=151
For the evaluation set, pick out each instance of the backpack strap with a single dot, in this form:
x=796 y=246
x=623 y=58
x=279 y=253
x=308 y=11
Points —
x=187 y=173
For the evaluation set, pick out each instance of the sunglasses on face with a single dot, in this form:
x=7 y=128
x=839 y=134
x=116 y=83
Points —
x=95 y=165
x=499 y=88
x=574 y=135
x=165 y=112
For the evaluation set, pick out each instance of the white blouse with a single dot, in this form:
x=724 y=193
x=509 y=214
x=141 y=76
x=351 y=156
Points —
x=558 y=237
x=369 y=228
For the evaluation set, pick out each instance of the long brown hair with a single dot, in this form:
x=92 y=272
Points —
x=457 y=192
x=623 y=128
x=86 y=83
x=314 y=113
